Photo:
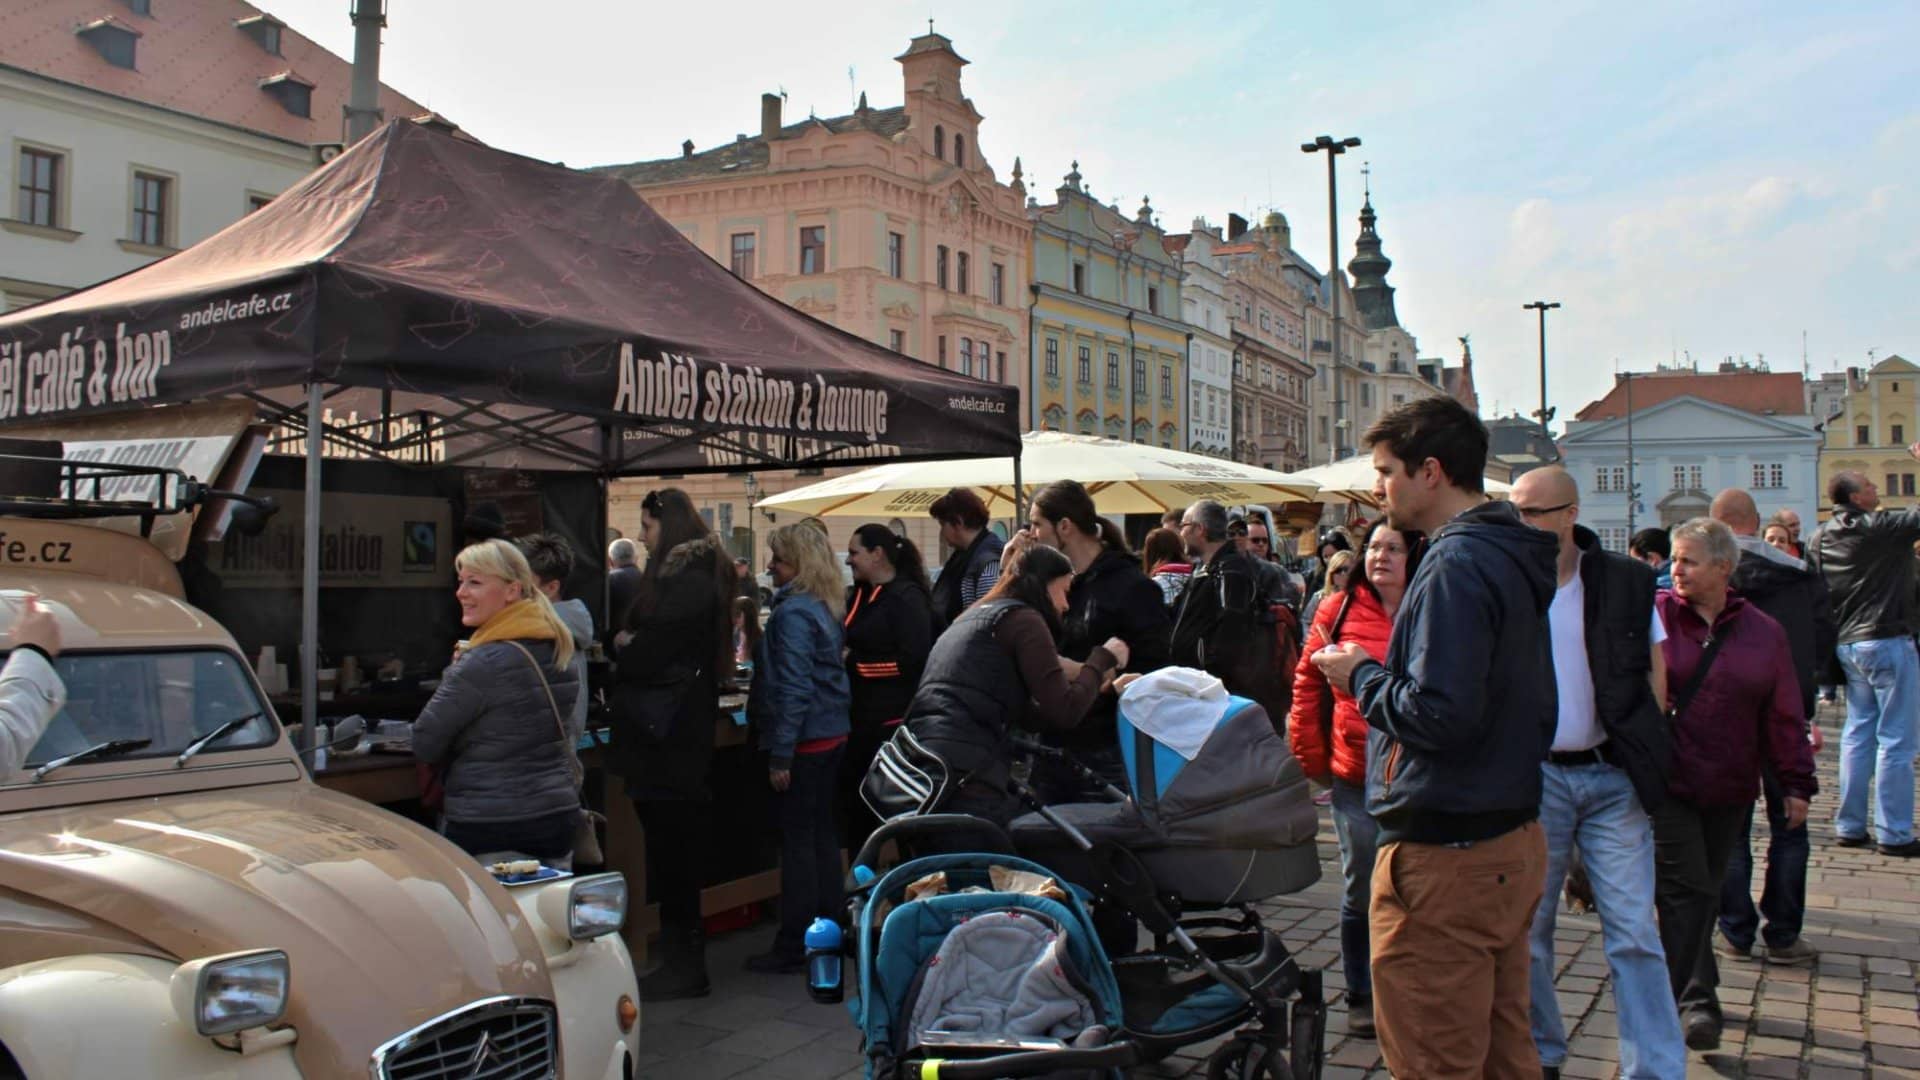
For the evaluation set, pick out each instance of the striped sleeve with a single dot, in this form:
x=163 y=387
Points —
x=971 y=589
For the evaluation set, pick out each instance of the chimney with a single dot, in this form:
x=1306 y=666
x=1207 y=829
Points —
x=769 y=116
x=686 y=148
x=363 y=102
x=1236 y=227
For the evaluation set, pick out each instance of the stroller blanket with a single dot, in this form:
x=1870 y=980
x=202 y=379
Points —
x=1176 y=707
x=1001 y=973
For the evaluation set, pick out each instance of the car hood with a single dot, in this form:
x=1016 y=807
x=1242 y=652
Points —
x=384 y=924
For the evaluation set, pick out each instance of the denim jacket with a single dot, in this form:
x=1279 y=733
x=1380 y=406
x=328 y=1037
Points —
x=800 y=688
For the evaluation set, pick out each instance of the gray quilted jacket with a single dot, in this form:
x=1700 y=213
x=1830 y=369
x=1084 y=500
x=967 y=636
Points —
x=492 y=731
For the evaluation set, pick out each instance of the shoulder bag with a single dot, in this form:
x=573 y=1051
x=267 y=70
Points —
x=906 y=778
x=1699 y=677
x=586 y=841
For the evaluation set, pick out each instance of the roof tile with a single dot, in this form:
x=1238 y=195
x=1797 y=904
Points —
x=1779 y=393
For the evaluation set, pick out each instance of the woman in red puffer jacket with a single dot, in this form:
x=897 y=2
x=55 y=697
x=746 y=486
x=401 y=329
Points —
x=1329 y=736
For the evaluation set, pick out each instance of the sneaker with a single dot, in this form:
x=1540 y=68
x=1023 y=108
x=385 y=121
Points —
x=1900 y=851
x=1360 y=1017
x=1852 y=841
x=1731 y=951
x=1703 y=1031
x=1793 y=953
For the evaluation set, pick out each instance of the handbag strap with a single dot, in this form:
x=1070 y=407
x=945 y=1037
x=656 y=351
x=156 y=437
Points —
x=1340 y=617
x=573 y=764
x=1685 y=697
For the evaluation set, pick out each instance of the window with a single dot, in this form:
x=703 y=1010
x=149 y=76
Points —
x=1769 y=475
x=113 y=43
x=39 y=202
x=150 y=198
x=293 y=95
x=139 y=7
x=1000 y=367
x=813 y=249
x=960 y=150
x=997 y=283
x=1139 y=377
x=1053 y=358
x=1860 y=436
x=1366 y=395
x=1086 y=366
x=1906 y=483
x=263 y=30
x=741 y=257
x=1899 y=435
x=897 y=340
x=1893 y=483
x=942 y=351
x=1265 y=322
x=1080 y=278
x=1613 y=478
x=1687 y=478
x=961 y=277
x=1613 y=538
x=940 y=266
x=939 y=141
x=1166 y=383
x=1153 y=300
x=966 y=356
x=896 y=255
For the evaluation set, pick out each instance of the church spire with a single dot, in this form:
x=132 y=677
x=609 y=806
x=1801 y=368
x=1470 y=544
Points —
x=1371 y=293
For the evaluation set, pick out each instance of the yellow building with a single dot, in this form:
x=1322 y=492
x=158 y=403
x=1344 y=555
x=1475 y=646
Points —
x=1872 y=429
x=1109 y=352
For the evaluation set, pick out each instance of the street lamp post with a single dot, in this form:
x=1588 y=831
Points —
x=1545 y=414
x=1334 y=148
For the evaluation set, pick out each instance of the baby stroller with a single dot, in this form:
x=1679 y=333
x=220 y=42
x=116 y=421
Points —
x=981 y=980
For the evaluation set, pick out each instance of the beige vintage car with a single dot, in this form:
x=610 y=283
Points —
x=177 y=906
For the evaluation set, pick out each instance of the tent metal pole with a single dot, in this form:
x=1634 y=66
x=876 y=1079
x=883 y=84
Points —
x=310 y=581
x=1019 y=496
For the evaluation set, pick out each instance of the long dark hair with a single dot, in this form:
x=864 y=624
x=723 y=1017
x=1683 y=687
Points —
x=900 y=552
x=1026 y=580
x=1162 y=546
x=680 y=523
x=1415 y=540
x=1066 y=500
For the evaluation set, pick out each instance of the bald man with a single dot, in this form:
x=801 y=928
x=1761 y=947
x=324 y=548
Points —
x=1606 y=771
x=1796 y=598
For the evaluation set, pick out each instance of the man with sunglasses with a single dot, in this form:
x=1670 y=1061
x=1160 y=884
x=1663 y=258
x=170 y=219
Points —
x=1605 y=770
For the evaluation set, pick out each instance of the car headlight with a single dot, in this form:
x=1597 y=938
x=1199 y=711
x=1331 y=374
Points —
x=220 y=995
x=589 y=907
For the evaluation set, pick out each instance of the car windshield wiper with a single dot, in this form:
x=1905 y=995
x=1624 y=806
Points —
x=214 y=736
x=110 y=748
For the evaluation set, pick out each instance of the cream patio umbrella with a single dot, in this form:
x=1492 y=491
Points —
x=1123 y=478
x=1351 y=480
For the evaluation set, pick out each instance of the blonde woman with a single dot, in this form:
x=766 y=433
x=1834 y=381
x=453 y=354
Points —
x=491 y=728
x=1339 y=569
x=800 y=707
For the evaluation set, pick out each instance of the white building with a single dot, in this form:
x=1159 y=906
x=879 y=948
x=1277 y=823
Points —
x=1203 y=302
x=132 y=129
x=1686 y=449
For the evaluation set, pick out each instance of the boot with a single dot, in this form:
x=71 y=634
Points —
x=683 y=968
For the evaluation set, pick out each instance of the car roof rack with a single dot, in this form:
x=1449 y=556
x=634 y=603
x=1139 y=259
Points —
x=81 y=490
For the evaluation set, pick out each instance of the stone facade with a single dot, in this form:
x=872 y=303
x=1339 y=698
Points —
x=1203 y=304
x=1266 y=303
x=1875 y=424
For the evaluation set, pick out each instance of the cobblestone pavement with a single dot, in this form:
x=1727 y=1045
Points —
x=1852 y=1014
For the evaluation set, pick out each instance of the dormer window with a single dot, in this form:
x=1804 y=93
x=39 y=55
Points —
x=264 y=30
x=292 y=92
x=112 y=39
x=140 y=7
x=939 y=141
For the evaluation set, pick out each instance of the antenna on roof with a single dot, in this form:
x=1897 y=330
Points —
x=853 y=95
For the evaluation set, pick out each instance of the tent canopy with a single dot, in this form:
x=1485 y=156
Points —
x=464 y=305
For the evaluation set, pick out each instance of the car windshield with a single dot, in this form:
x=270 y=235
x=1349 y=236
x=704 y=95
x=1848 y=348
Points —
x=170 y=696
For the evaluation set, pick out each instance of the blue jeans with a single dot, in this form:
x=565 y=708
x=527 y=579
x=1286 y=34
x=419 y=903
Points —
x=1784 y=899
x=1359 y=839
x=1877 y=745
x=1594 y=807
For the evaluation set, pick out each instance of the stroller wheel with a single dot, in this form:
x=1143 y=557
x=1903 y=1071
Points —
x=1246 y=1059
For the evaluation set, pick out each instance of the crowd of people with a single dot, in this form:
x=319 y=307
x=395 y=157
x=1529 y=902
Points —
x=1495 y=704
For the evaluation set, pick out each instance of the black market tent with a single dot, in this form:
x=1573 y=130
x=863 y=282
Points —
x=426 y=298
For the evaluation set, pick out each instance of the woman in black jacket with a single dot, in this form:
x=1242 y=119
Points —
x=889 y=631
x=998 y=667
x=673 y=655
x=1111 y=597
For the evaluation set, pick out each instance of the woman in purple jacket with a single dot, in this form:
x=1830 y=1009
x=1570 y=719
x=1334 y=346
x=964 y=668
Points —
x=1742 y=715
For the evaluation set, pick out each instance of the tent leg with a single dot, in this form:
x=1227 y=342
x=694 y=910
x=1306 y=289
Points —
x=1019 y=497
x=310 y=581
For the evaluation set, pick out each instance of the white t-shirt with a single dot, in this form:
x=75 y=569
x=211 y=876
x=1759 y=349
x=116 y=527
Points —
x=1578 y=727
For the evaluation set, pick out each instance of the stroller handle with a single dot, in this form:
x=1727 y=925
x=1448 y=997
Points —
x=935 y=826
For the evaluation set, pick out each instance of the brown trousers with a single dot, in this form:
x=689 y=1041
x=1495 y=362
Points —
x=1449 y=928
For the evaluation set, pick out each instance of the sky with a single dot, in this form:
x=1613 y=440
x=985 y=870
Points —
x=1688 y=180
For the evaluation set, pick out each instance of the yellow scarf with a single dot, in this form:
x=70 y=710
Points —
x=521 y=620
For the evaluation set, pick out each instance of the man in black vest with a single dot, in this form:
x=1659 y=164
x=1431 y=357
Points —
x=1796 y=597
x=1606 y=767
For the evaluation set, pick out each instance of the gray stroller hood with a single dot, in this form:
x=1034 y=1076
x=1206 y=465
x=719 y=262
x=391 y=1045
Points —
x=1235 y=823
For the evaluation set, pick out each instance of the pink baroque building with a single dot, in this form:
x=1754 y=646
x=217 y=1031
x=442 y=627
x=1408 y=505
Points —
x=889 y=223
